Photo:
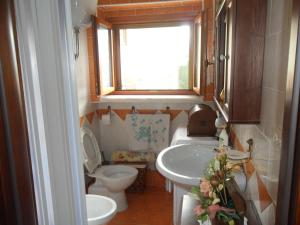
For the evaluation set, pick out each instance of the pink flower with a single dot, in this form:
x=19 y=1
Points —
x=198 y=210
x=205 y=186
x=212 y=210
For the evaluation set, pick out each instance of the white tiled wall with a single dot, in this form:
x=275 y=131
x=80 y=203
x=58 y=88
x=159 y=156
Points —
x=267 y=135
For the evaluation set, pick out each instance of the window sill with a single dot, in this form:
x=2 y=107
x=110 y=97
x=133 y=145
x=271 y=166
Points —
x=151 y=98
x=153 y=92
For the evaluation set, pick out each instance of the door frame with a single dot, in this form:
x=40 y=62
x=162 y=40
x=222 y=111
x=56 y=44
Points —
x=46 y=53
x=44 y=30
x=17 y=199
x=287 y=210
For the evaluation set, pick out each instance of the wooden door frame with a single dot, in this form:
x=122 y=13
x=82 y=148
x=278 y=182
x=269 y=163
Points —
x=287 y=210
x=16 y=179
x=45 y=38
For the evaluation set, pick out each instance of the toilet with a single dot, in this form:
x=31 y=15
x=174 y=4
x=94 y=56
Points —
x=111 y=180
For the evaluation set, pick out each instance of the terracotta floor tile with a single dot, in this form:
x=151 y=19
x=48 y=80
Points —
x=152 y=207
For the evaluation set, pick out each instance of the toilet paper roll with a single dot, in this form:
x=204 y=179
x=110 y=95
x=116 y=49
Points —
x=106 y=119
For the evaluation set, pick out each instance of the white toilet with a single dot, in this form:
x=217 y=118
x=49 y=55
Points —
x=111 y=180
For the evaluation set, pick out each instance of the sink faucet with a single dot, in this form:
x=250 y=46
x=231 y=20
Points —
x=250 y=149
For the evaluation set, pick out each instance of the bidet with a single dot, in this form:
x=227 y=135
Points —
x=100 y=209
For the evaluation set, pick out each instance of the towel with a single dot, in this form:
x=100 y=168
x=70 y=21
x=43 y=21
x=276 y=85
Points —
x=160 y=124
x=148 y=132
x=139 y=131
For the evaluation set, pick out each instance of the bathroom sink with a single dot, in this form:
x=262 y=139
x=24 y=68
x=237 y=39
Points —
x=100 y=209
x=185 y=164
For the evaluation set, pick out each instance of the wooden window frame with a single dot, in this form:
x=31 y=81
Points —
x=117 y=62
x=100 y=89
x=197 y=34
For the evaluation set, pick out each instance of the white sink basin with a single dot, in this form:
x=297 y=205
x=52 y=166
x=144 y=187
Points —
x=185 y=164
x=100 y=209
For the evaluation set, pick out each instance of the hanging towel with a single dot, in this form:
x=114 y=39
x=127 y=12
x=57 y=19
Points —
x=139 y=131
x=160 y=126
x=148 y=132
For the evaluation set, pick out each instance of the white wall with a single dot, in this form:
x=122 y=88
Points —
x=82 y=75
x=83 y=85
x=114 y=136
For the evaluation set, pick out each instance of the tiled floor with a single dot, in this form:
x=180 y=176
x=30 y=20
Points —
x=153 y=207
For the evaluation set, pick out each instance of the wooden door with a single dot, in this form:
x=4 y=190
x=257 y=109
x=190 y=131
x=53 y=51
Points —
x=17 y=202
x=288 y=199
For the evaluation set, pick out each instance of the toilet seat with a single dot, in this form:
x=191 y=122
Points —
x=111 y=180
x=91 y=150
x=113 y=172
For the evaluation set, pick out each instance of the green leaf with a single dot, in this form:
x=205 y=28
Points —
x=194 y=196
x=195 y=189
x=233 y=215
x=223 y=217
x=203 y=217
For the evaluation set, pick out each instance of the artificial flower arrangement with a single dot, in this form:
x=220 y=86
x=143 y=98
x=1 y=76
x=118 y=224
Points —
x=214 y=200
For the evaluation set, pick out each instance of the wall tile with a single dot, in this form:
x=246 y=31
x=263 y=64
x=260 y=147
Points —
x=272 y=112
x=269 y=10
x=275 y=66
x=268 y=216
x=279 y=16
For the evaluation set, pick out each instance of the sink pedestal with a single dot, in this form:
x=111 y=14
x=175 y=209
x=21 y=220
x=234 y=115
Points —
x=178 y=192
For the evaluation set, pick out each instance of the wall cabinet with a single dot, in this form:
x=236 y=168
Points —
x=240 y=36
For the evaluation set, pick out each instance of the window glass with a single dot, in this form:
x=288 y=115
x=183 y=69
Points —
x=104 y=56
x=197 y=57
x=155 y=58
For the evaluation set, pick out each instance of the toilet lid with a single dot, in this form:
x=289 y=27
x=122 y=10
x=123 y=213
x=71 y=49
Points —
x=91 y=151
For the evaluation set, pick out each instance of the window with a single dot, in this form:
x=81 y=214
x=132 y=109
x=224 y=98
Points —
x=155 y=58
x=144 y=59
x=104 y=53
x=197 y=66
x=105 y=65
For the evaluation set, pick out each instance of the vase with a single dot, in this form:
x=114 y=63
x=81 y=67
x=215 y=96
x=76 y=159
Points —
x=207 y=222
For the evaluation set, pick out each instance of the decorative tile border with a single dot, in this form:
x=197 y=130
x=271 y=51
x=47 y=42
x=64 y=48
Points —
x=89 y=117
x=123 y=112
x=265 y=199
x=81 y=120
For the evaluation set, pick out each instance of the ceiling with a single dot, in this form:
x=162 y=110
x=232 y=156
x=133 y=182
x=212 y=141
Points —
x=139 y=11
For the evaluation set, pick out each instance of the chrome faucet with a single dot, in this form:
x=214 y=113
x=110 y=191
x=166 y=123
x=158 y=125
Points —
x=250 y=149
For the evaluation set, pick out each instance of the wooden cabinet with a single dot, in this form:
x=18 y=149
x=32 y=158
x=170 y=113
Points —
x=239 y=56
